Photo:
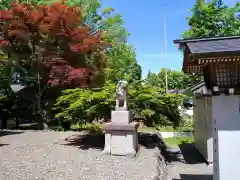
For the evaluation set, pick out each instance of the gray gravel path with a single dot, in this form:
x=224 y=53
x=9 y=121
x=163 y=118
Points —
x=187 y=164
x=46 y=156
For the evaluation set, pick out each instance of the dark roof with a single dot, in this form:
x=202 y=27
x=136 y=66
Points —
x=177 y=41
x=176 y=91
x=197 y=86
x=191 y=88
x=211 y=45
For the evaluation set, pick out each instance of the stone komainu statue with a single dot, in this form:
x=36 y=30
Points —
x=121 y=94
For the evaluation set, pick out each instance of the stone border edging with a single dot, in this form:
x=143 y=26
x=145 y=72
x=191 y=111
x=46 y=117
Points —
x=161 y=166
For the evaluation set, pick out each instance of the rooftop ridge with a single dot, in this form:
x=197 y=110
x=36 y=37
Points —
x=178 y=41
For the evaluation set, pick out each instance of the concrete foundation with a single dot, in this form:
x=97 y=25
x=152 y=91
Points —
x=121 y=135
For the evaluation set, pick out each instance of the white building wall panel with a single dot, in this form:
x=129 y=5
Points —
x=226 y=126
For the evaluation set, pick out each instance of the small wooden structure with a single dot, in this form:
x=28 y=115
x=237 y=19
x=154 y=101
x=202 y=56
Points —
x=218 y=60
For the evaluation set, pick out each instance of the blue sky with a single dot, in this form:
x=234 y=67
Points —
x=144 y=20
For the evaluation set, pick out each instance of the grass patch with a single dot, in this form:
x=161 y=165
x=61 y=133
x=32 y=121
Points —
x=165 y=129
x=147 y=129
x=156 y=129
x=93 y=128
x=176 y=141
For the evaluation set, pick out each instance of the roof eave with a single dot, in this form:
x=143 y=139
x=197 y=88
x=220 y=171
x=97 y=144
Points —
x=183 y=45
x=197 y=86
x=179 y=41
x=215 y=54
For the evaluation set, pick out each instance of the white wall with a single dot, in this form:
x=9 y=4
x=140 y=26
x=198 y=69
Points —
x=198 y=126
x=226 y=120
x=209 y=128
x=203 y=126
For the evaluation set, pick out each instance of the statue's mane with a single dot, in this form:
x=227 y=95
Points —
x=120 y=89
x=121 y=93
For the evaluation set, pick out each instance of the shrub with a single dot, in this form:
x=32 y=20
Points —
x=65 y=124
x=187 y=125
x=92 y=128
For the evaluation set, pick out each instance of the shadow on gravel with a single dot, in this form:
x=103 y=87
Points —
x=190 y=154
x=1 y=145
x=150 y=141
x=96 y=141
x=186 y=153
x=87 y=141
x=194 y=177
x=173 y=155
x=6 y=133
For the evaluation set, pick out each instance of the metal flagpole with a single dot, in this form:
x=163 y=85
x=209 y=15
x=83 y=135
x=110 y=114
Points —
x=165 y=49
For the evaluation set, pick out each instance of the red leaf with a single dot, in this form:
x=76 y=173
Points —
x=4 y=43
x=58 y=30
x=5 y=15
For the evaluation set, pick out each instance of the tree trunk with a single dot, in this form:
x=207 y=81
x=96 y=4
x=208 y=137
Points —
x=49 y=114
x=43 y=120
x=17 y=123
x=4 y=118
x=44 y=125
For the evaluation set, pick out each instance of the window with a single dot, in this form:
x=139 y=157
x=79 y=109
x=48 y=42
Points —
x=222 y=75
x=227 y=74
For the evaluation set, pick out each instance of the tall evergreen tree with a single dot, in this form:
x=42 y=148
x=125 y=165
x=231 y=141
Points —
x=213 y=19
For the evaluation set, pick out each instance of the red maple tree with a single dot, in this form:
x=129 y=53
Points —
x=53 y=41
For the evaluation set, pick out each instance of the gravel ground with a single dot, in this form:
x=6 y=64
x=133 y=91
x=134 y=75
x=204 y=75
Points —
x=187 y=164
x=37 y=155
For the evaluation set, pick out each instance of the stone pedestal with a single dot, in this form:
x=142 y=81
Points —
x=121 y=117
x=121 y=135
